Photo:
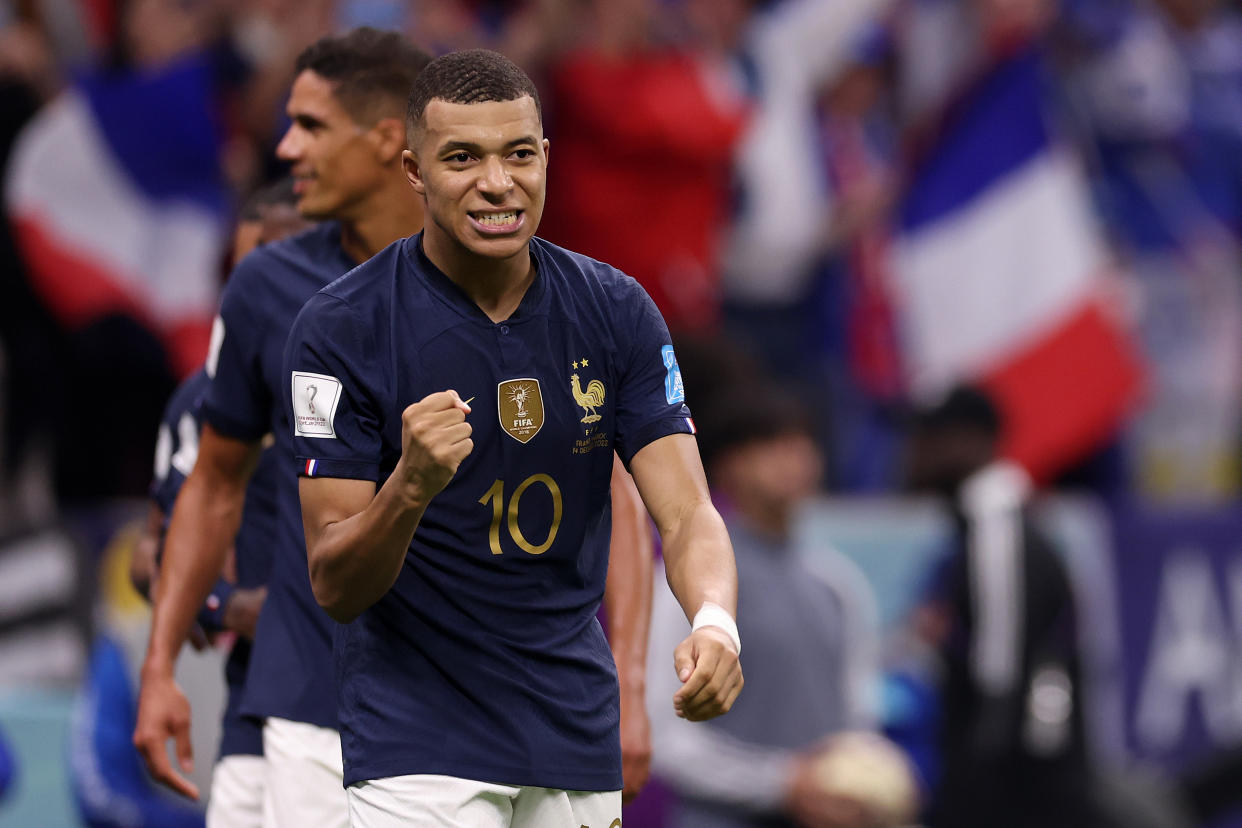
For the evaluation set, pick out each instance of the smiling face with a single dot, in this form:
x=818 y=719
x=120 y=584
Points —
x=335 y=161
x=482 y=169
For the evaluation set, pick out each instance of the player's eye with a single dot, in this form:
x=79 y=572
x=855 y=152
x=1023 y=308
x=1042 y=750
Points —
x=524 y=154
x=459 y=157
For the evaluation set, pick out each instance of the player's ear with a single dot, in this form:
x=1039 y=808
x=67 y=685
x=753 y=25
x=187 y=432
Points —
x=388 y=135
x=547 y=145
x=413 y=172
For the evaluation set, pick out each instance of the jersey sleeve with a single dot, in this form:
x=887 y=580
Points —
x=165 y=483
x=330 y=365
x=176 y=446
x=651 y=401
x=238 y=404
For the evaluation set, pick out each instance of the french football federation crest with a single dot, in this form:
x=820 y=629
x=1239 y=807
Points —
x=520 y=407
x=587 y=400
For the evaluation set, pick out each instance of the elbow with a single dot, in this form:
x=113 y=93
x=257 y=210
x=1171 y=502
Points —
x=331 y=597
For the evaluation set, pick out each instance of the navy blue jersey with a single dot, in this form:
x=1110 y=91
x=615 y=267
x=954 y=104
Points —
x=485 y=660
x=176 y=451
x=291 y=671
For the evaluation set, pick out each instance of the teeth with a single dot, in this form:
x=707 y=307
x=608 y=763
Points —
x=498 y=219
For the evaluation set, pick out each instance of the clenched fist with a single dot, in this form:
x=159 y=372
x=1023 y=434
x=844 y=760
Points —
x=435 y=438
x=711 y=676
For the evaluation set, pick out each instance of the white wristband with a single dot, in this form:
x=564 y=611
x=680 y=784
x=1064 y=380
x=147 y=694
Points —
x=714 y=615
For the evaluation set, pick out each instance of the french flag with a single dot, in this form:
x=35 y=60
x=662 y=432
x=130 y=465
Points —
x=1000 y=277
x=119 y=205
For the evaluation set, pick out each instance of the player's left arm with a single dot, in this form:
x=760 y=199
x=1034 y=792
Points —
x=627 y=601
x=701 y=572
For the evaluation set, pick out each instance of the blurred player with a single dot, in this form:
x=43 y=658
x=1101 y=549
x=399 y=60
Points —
x=237 y=783
x=456 y=402
x=269 y=215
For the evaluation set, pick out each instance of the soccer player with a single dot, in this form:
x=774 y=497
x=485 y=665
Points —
x=347 y=111
x=237 y=782
x=456 y=402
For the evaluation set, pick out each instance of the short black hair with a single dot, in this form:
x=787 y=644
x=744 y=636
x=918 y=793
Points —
x=965 y=406
x=467 y=77
x=755 y=411
x=371 y=70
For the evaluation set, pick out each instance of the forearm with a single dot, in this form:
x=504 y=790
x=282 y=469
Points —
x=355 y=560
x=698 y=559
x=205 y=520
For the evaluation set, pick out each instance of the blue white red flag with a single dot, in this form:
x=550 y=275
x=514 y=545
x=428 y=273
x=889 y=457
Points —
x=1000 y=276
x=119 y=205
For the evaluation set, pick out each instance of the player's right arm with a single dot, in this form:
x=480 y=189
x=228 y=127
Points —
x=205 y=520
x=356 y=538
x=208 y=509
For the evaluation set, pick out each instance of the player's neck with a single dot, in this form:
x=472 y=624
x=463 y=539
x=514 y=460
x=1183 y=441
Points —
x=495 y=285
x=381 y=223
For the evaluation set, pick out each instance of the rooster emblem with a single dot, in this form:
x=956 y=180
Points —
x=589 y=399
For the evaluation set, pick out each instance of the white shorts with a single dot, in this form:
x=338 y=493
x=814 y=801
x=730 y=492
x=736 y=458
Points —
x=429 y=801
x=237 y=784
x=304 y=776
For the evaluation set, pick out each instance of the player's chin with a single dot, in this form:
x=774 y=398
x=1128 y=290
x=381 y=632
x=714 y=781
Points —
x=499 y=247
x=313 y=209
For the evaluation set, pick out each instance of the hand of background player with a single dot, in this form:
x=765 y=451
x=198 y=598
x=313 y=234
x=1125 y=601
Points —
x=635 y=741
x=163 y=714
x=435 y=438
x=710 y=673
x=241 y=613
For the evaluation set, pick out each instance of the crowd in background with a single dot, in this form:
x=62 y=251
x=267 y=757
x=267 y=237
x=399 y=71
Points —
x=797 y=183
x=751 y=163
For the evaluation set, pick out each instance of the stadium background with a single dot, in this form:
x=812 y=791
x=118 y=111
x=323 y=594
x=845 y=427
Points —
x=870 y=200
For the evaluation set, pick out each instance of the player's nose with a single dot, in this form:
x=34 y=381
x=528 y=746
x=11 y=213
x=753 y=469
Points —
x=494 y=178
x=289 y=148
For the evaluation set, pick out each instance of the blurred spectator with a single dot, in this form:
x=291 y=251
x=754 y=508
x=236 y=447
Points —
x=801 y=191
x=8 y=767
x=1001 y=617
x=1155 y=92
x=27 y=77
x=788 y=55
x=1001 y=274
x=643 y=132
x=855 y=304
x=110 y=786
x=780 y=757
x=119 y=205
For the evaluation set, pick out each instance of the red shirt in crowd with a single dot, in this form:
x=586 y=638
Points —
x=640 y=169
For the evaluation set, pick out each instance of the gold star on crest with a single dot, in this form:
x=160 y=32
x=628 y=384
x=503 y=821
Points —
x=575 y=366
x=585 y=363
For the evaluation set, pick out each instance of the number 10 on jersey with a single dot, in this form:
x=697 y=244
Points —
x=496 y=497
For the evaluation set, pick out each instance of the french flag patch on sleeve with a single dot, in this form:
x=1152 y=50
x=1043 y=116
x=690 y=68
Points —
x=311 y=467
